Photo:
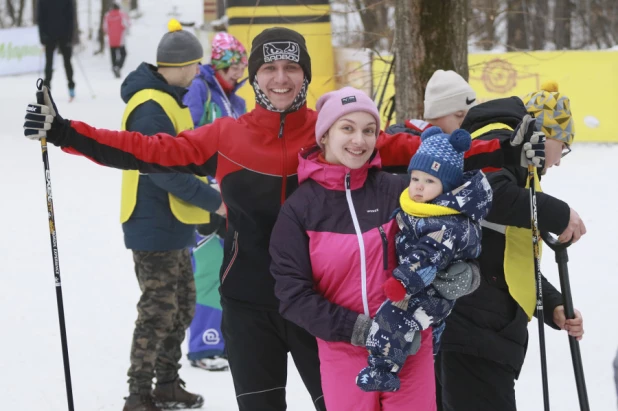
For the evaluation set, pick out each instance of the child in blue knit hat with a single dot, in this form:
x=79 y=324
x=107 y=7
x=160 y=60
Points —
x=439 y=221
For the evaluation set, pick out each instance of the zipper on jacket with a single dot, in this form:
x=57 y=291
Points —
x=234 y=252
x=384 y=247
x=361 y=244
x=284 y=176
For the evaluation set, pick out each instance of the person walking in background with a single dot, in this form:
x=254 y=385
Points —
x=115 y=26
x=56 y=20
x=159 y=213
x=212 y=95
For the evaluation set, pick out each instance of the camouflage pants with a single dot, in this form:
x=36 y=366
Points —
x=165 y=311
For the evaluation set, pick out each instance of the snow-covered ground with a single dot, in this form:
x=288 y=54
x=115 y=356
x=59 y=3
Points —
x=99 y=287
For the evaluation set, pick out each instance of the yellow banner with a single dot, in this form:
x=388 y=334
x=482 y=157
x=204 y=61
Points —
x=588 y=78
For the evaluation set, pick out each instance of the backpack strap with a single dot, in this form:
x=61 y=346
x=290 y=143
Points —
x=205 y=119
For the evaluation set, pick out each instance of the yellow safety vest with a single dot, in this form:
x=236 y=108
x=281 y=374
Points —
x=518 y=254
x=181 y=118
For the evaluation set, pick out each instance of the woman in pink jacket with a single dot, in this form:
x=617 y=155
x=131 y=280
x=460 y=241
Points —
x=332 y=248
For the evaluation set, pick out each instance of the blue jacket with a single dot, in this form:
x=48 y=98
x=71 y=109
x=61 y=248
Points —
x=220 y=104
x=422 y=254
x=152 y=226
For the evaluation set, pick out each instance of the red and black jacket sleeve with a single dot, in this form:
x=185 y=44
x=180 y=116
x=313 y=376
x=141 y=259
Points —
x=192 y=151
x=397 y=150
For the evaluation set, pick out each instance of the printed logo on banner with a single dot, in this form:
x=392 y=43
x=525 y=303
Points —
x=281 y=50
x=211 y=337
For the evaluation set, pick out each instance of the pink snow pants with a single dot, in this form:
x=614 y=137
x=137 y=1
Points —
x=341 y=362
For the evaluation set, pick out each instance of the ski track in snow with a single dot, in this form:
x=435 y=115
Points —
x=99 y=286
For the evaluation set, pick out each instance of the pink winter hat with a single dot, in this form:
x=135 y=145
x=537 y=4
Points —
x=335 y=104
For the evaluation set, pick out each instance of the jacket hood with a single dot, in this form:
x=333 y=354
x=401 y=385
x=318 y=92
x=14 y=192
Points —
x=331 y=176
x=147 y=77
x=207 y=72
x=509 y=110
x=472 y=198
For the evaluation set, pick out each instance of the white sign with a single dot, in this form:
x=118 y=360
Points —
x=20 y=51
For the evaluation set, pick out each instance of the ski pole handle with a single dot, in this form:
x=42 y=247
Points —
x=553 y=243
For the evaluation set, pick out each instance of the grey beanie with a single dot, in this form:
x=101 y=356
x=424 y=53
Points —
x=178 y=47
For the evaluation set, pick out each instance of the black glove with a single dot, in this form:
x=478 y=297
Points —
x=531 y=142
x=42 y=116
x=216 y=226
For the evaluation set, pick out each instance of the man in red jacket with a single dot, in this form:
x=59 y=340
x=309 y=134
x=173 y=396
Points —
x=255 y=159
x=116 y=25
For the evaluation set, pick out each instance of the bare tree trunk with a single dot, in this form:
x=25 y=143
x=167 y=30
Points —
x=20 y=13
x=601 y=25
x=220 y=8
x=516 y=33
x=133 y=5
x=75 y=39
x=562 y=24
x=459 y=38
x=105 y=5
x=489 y=24
x=10 y=11
x=539 y=25
x=430 y=35
x=410 y=50
x=374 y=15
x=35 y=5
x=612 y=5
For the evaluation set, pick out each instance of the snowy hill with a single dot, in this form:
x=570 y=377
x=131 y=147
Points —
x=99 y=286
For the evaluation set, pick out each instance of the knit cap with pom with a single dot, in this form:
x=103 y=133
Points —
x=441 y=155
x=178 y=47
x=552 y=111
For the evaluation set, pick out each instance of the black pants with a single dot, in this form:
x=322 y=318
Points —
x=257 y=344
x=66 y=50
x=469 y=383
x=119 y=54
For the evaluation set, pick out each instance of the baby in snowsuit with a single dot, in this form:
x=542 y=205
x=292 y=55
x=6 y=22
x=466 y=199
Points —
x=439 y=221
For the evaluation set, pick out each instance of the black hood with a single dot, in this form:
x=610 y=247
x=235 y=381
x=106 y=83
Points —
x=508 y=110
x=147 y=77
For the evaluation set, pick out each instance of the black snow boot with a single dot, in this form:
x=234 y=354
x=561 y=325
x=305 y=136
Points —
x=173 y=396
x=140 y=402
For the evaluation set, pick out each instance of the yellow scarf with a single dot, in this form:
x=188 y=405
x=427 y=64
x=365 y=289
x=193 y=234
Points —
x=519 y=262
x=422 y=210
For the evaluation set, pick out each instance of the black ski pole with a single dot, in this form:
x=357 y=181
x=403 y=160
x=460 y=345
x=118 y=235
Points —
x=81 y=67
x=562 y=259
x=388 y=76
x=54 y=249
x=534 y=223
x=389 y=110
